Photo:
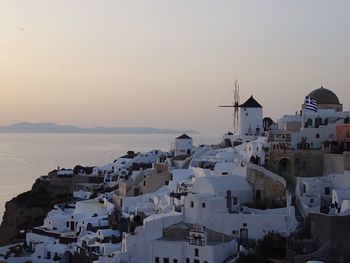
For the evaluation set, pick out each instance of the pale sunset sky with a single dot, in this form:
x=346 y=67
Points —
x=167 y=64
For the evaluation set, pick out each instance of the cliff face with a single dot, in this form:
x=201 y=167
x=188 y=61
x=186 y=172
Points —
x=29 y=209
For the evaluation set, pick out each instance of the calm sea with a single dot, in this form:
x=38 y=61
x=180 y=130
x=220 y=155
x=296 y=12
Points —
x=25 y=157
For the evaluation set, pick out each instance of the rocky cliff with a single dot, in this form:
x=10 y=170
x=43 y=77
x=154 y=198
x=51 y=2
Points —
x=29 y=209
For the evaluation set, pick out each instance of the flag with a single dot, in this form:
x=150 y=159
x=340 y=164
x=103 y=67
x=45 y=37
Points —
x=310 y=104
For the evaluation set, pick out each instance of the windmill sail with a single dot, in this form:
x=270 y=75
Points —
x=235 y=106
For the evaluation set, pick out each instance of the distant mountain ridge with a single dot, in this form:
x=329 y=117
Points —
x=49 y=127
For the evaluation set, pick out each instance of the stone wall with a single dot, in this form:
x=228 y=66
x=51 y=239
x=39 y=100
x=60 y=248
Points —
x=333 y=163
x=325 y=227
x=67 y=182
x=309 y=163
x=332 y=251
x=346 y=161
x=271 y=186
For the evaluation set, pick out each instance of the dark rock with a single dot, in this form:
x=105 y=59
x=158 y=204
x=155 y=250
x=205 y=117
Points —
x=29 y=209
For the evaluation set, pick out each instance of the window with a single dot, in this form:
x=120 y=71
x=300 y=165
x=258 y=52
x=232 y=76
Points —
x=311 y=200
x=327 y=191
x=175 y=260
x=156 y=260
x=203 y=205
x=308 y=123
x=348 y=134
x=191 y=203
x=196 y=252
x=144 y=182
x=165 y=260
x=224 y=173
x=187 y=260
x=67 y=224
x=317 y=135
x=234 y=200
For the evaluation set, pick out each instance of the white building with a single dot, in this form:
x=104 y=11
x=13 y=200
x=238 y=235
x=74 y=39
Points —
x=183 y=145
x=250 y=123
x=250 y=119
x=241 y=190
x=176 y=246
x=310 y=129
x=327 y=193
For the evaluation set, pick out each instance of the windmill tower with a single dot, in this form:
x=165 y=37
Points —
x=235 y=106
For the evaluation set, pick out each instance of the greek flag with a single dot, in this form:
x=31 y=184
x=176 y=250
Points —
x=310 y=104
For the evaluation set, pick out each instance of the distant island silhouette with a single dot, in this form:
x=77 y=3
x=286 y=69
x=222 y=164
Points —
x=48 y=127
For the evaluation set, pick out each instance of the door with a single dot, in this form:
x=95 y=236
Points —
x=244 y=236
x=72 y=226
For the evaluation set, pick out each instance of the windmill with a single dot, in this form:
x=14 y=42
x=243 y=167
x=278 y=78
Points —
x=235 y=106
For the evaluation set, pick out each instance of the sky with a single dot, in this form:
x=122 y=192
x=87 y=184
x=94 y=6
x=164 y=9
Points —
x=167 y=64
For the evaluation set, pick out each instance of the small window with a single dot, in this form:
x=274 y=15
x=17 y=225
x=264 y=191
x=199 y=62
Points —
x=203 y=205
x=67 y=224
x=175 y=260
x=246 y=114
x=327 y=190
x=311 y=200
x=144 y=182
x=187 y=260
x=196 y=252
x=165 y=260
x=156 y=260
x=224 y=173
x=348 y=134
x=317 y=135
x=234 y=200
x=192 y=204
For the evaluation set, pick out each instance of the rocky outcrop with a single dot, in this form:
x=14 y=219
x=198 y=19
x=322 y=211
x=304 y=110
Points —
x=29 y=209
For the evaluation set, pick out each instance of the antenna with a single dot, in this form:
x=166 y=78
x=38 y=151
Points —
x=235 y=106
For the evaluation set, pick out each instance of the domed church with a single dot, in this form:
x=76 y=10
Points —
x=325 y=99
